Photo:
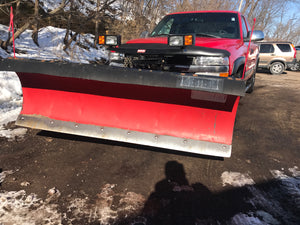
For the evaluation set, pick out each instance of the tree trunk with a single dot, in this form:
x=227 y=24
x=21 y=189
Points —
x=68 y=34
x=97 y=24
x=35 y=33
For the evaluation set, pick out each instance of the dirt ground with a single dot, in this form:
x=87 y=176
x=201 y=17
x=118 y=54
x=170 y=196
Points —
x=92 y=181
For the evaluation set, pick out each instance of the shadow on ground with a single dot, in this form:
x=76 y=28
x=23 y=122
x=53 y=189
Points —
x=175 y=201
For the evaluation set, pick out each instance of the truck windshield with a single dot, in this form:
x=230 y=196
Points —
x=216 y=25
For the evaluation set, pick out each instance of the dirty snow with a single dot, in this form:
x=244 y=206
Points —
x=236 y=179
x=4 y=174
x=285 y=188
x=10 y=104
x=16 y=207
x=110 y=206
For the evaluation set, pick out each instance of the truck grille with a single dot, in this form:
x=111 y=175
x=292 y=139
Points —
x=156 y=62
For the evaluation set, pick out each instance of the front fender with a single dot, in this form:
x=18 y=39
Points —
x=237 y=63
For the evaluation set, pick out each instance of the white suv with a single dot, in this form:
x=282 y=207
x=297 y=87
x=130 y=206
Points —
x=277 y=56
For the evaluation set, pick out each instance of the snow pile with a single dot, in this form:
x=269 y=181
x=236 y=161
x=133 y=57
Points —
x=51 y=46
x=10 y=104
x=291 y=185
x=49 y=5
x=275 y=203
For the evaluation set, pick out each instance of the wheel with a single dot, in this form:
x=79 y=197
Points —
x=251 y=84
x=277 y=68
x=295 y=67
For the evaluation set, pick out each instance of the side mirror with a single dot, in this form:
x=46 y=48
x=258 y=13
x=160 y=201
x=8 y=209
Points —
x=144 y=34
x=257 y=35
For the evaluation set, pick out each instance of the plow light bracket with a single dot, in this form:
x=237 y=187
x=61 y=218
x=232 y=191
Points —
x=111 y=40
x=181 y=40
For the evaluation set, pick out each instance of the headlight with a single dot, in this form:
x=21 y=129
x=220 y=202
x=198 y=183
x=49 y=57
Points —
x=210 y=61
x=115 y=56
x=180 y=40
x=111 y=40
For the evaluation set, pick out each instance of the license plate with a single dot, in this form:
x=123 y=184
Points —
x=201 y=83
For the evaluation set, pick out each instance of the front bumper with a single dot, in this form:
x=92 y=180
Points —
x=291 y=64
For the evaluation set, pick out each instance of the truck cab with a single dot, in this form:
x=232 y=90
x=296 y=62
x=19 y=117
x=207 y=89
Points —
x=204 y=43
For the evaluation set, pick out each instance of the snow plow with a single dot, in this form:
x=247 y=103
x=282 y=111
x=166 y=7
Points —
x=175 y=106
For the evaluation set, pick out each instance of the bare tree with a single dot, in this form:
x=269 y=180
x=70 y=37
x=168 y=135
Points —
x=30 y=22
x=69 y=36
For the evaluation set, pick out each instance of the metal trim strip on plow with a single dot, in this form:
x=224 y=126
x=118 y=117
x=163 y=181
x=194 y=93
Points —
x=117 y=134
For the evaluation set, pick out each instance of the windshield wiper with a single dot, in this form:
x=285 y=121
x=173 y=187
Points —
x=158 y=35
x=207 y=35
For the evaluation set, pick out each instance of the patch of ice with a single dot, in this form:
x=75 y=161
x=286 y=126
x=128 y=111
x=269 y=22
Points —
x=236 y=179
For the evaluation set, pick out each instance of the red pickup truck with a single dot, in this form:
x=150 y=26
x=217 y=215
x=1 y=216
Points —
x=209 y=43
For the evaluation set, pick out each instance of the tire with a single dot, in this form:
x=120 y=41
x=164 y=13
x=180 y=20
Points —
x=296 y=66
x=276 y=68
x=251 y=84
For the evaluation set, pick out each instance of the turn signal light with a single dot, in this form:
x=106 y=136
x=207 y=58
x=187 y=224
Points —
x=101 y=40
x=181 y=40
x=224 y=74
x=188 y=40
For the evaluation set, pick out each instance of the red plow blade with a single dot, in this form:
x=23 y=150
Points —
x=181 y=119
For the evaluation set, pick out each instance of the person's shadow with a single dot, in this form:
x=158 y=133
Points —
x=175 y=201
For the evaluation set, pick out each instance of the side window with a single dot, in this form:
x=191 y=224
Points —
x=266 y=48
x=284 y=47
x=244 y=27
